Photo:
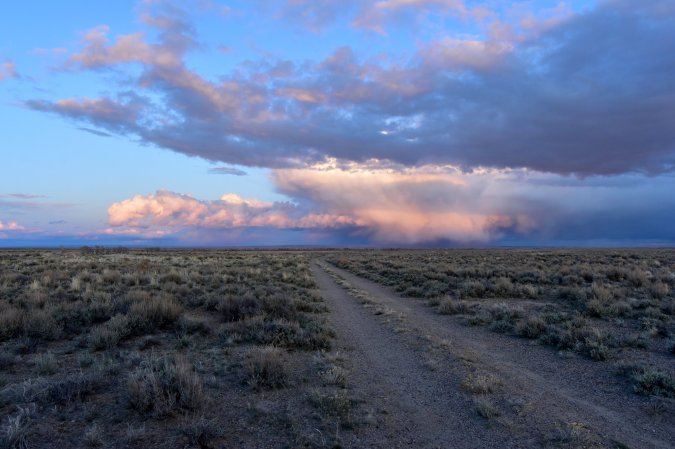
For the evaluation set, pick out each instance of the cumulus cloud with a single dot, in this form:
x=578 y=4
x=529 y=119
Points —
x=98 y=52
x=166 y=212
x=390 y=204
x=403 y=206
x=409 y=205
x=10 y=226
x=9 y=229
x=589 y=94
x=443 y=205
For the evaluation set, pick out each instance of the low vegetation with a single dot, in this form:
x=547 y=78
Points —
x=602 y=304
x=157 y=348
x=153 y=348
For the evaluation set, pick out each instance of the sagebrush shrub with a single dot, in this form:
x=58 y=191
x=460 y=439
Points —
x=163 y=386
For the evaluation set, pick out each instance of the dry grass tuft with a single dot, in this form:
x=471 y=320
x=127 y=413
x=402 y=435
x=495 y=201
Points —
x=480 y=384
x=265 y=368
x=164 y=386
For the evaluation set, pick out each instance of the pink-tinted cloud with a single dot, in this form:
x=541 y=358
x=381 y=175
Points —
x=118 y=115
x=10 y=229
x=408 y=205
x=544 y=20
x=8 y=70
x=387 y=204
x=10 y=226
x=455 y=53
x=171 y=212
x=98 y=52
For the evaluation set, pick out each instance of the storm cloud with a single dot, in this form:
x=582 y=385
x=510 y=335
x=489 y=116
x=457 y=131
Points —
x=585 y=94
x=385 y=204
x=517 y=125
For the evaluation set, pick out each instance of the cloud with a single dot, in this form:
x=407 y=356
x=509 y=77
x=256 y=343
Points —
x=367 y=15
x=227 y=171
x=167 y=212
x=27 y=203
x=99 y=53
x=443 y=205
x=313 y=15
x=377 y=14
x=22 y=196
x=95 y=132
x=8 y=70
x=589 y=94
x=10 y=226
x=408 y=205
x=380 y=203
x=56 y=51
x=115 y=115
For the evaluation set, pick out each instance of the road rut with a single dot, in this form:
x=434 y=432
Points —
x=548 y=400
x=413 y=406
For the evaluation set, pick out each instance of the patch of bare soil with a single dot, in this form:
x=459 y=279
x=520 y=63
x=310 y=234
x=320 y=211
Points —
x=433 y=382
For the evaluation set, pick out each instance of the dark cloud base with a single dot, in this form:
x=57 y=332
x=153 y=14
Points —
x=591 y=95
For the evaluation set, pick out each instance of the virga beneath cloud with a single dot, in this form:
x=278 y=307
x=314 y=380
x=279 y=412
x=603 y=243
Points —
x=531 y=127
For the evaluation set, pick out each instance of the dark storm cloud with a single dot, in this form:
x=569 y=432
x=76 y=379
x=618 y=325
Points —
x=592 y=94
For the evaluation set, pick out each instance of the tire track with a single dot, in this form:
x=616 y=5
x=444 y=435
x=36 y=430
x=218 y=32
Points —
x=576 y=392
x=413 y=405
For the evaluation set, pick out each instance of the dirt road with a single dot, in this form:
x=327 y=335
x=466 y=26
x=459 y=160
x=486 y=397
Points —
x=408 y=363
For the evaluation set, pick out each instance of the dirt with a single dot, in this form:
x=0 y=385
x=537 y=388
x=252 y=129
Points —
x=408 y=364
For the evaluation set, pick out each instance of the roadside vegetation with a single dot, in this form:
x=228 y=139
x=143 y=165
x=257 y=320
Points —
x=616 y=305
x=102 y=348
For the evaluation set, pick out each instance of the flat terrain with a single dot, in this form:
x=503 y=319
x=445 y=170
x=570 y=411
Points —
x=539 y=397
x=432 y=349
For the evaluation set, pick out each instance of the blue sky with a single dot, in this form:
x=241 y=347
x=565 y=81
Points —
x=391 y=122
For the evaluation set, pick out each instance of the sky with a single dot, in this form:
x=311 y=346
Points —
x=384 y=123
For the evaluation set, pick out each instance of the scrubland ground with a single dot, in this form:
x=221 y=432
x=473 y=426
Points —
x=165 y=349
x=337 y=349
x=558 y=348
x=593 y=302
